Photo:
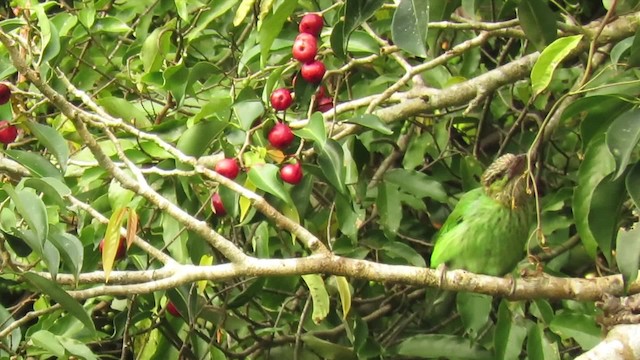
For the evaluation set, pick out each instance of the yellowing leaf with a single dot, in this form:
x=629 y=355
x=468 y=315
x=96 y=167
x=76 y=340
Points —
x=111 y=241
x=205 y=260
x=319 y=296
x=245 y=204
x=242 y=12
x=276 y=155
x=345 y=295
x=291 y=212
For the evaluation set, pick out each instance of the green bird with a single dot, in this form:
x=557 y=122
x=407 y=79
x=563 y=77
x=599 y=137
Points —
x=489 y=227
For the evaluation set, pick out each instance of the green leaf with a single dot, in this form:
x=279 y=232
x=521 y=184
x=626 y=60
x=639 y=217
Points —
x=110 y=24
x=174 y=81
x=247 y=112
x=51 y=257
x=15 y=336
x=356 y=13
x=314 y=130
x=332 y=163
x=76 y=348
x=32 y=210
x=409 y=26
x=52 y=140
x=622 y=137
x=123 y=109
x=632 y=182
x=597 y=164
x=510 y=333
x=549 y=60
x=266 y=178
x=580 y=327
x=56 y=293
x=9 y=25
x=634 y=55
x=372 y=122
x=47 y=341
x=247 y=294
x=244 y=9
x=319 y=296
x=181 y=6
x=70 y=249
x=474 y=310
x=405 y=252
x=35 y=163
x=538 y=22
x=272 y=26
x=417 y=184
x=197 y=139
x=155 y=48
x=213 y=11
x=389 y=208
x=328 y=349
x=628 y=254
x=607 y=199
x=440 y=346
x=539 y=347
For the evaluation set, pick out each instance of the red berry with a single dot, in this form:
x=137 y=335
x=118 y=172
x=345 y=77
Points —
x=311 y=24
x=321 y=92
x=5 y=94
x=324 y=104
x=8 y=132
x=228 y=168
x=281 y=99
x=280 y=136
x=305 y=48
x=217 y=206
x=291 y=173
x=172 y=309
x=313 y=72
x=122 y=247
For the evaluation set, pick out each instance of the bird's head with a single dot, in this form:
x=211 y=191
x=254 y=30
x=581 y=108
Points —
x=504 y=181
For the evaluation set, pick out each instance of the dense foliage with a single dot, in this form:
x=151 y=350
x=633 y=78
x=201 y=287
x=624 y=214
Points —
x=165 y=196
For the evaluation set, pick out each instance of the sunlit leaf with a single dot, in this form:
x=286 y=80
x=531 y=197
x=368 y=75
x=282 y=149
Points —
x=319 y=296
x=409 y=26
x=549 y=59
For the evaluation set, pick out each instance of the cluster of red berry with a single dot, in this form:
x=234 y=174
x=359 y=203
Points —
x=8 y=132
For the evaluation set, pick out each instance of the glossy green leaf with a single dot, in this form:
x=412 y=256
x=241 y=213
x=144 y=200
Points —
x=347 y=217
x=266 y=177
x=538 y=22
x=243 y=10
x=110 y=24
x=319 y=296
x=440 y=346
x=118 y=196
x=597 y=164
x=549 y=60
x=622 y=137
x=55 y=292
x=247 y=112
x=8 y=25
x=181 y=6
x=272 y=26
x=174 y=81
x=580 y=327
x=32 y=210
x=337 y=40
x=70 y=249
x=416 y=183
x=539 y=347
x=52 y=140
x=510 y=333
x=409 y=26
x=35 y=163
x=409 y=255
x=213 y=11
x=331 y=161
x=198 y=138
x=357 y=12
x=123 y=109
x=51 y=257
x=474 y=310
x=634 y=54
x=372 y=122
x=314 y=130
